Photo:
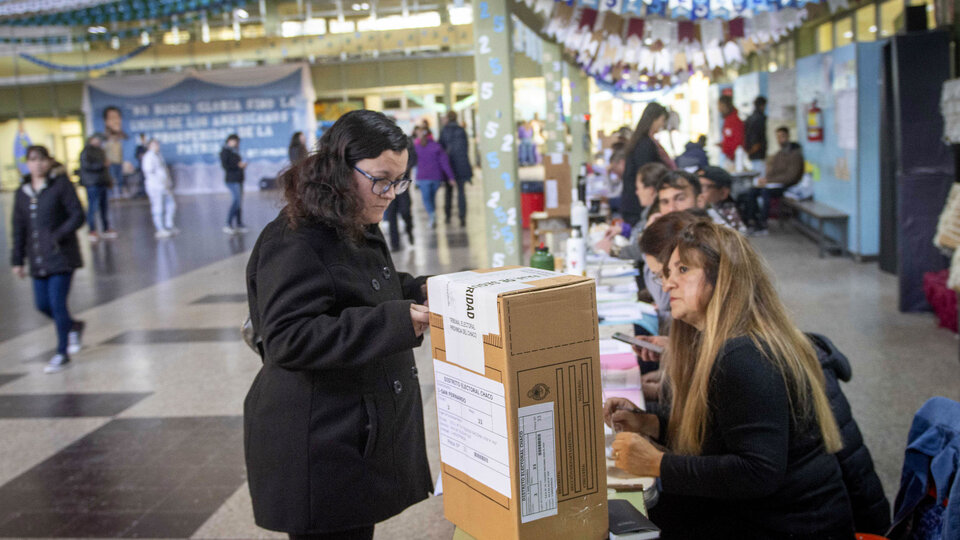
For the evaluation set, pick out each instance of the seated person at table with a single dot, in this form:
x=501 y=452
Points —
x=717 y=184
x=614 y=174
x=694 y=157
x=648 y=178
x=784 y=169
x=749 y=434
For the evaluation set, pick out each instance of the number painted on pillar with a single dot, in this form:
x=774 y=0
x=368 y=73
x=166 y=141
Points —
x=486 y=90
x=494 y=200
x=484 y=44
x=499 y=259
x=495 y=66
x=512 y=217
x=507 y=180
x=493 y=159
x=491 y=131
x=507 y=145
x=499 y=24
x=484 y=10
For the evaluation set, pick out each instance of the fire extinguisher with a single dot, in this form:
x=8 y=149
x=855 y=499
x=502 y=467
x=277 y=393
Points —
x=815 y=123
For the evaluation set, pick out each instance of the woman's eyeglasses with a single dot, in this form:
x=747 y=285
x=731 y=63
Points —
x=382 y=185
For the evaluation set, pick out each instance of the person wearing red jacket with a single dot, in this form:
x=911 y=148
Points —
x=733 y=133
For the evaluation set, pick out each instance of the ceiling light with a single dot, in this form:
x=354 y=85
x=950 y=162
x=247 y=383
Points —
x=873 y=29
x=848 y=34
x=364 y=6
x=97 y=30
x=114 y=43
x=241 y=13
x=144 y=38
x=355 y=7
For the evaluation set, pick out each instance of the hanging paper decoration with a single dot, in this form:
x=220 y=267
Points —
x=113 y=14
x=20 y=145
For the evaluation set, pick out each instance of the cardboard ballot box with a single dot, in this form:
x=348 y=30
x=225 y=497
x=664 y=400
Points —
x=519 y=404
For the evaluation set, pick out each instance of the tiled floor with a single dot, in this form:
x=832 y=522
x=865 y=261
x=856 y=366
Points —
x=142 y=436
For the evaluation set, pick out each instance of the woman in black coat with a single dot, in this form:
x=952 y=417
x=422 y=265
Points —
x=642 y=149
x=333 y=424
x=46 y=216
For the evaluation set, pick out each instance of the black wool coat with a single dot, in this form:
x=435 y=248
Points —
x=333 y=423
x=45 y=225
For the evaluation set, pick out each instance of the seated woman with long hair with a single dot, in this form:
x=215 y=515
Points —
x=749 y=434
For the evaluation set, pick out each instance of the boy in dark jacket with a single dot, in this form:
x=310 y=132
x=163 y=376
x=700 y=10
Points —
x=46 y=216
x=95 y=178
x=453 y=139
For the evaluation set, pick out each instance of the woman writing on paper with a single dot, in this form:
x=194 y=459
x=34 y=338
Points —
x=333 y=424
x=750 y=432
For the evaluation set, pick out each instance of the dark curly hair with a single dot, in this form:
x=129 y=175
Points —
x=321 y=187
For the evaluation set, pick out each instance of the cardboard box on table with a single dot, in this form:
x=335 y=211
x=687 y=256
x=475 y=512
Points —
x=519 y=403
x=556 y=185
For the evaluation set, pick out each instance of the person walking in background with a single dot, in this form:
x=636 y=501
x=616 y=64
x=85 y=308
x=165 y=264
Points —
x=95 y=178
x=433 y=168
x=233 y=167
x=298 y=147
x=755 y=135
x=139 y=151
x=401 y=204
x=113 y=146
x=784 y=169
x=732 y=130
x=643 y=148
x=159 y=188
x=453 y=139
x=46 y=216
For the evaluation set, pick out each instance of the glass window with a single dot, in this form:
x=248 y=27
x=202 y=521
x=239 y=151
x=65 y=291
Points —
x=844 y=32
x=825 y=36
x=867 y=23
x=891 y=13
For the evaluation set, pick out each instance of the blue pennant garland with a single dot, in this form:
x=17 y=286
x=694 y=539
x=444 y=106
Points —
x=102 y=65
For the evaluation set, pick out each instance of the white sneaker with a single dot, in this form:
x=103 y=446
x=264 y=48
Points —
x=241 y=229
x=110 y=234
x=229 y=230
x=75 y=338
x=58 y=363
x=163 y=233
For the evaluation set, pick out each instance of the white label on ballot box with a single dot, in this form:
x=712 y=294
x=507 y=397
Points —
x=468 y=303
x=472 y=417
x=538 y=462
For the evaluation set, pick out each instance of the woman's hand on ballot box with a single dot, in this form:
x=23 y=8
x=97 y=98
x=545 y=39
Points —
x=633 y=453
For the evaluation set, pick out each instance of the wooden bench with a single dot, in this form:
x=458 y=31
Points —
x=822 y=214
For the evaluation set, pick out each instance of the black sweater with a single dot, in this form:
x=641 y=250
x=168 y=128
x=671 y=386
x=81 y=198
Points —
x=645 y=152
x=761 y=473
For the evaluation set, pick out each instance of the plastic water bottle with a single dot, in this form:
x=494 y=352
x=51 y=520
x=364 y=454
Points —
x=576 y=254
x=579 y=215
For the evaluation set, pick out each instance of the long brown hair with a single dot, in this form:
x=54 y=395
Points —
x=744 y=303
x=321 y=187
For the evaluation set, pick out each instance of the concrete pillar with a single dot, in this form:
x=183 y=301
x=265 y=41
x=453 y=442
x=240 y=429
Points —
x=554 y=130
x=493 y=47
x=579 y=109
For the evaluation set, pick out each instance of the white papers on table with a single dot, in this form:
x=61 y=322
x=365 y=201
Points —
x=624 y=311
x=613 y=346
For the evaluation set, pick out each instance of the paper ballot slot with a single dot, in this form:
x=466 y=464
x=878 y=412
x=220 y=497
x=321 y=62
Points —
x=517 y=365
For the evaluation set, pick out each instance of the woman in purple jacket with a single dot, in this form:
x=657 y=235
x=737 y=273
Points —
x=433 y=167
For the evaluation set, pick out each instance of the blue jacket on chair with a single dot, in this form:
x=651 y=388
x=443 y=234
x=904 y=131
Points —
x=932 y=455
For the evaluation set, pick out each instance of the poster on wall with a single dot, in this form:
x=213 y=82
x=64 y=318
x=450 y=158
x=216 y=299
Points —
x=192 y=114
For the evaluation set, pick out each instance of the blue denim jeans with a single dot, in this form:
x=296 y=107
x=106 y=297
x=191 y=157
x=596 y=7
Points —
x=50 y=295
x=97 y=202
x=428 y=190
x=236 y=210
x=116 y=171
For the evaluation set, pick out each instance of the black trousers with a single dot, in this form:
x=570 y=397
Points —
x=401 y=205
x=461 y=200
x=753 y=213
x=362 y=533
